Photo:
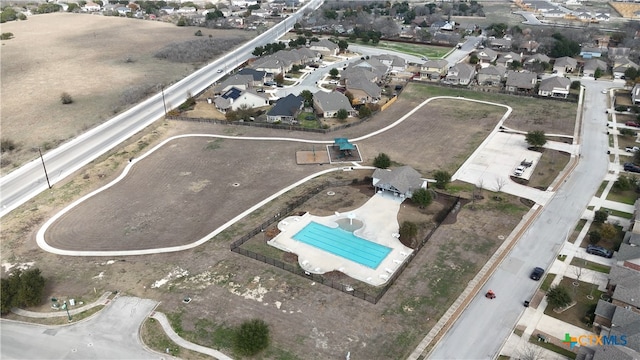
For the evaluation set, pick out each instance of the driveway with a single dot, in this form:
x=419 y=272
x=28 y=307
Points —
x=112 y=334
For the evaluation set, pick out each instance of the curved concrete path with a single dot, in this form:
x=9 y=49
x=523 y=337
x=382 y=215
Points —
x=40 y=239
x=160 y=317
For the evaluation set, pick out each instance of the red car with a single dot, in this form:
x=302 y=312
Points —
x=632 y=123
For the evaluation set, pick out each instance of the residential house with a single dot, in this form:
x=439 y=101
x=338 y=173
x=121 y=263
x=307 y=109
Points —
x=520 y=81
x=500 y=44
x=243 y=3
x=486 y=57
x=460 y=74
x=555 y=86
x=506 y=59
x=186 y=10
x=602 y=16
x=271 y=64
x=591 y=65
x=491 y=75
x=564 y=65
x=325 y=47
x=402 y=181
x=588 y=52
x=393 y=62
x=623 y=287
x=373 y=65
x=363 y=90
x=259 y=77
x=353 y=73
x=327 y=104
x=555 y=13
x=234 y=99
x=635 y=94
x=91 y=7
x=620 y=65
x=242 y=82
x=286 y=109
x=617 y=321
x=262 y=13
x=534 y=60
x=434 y=69
x=123 y=10
x=165 y=9
x=528 y=46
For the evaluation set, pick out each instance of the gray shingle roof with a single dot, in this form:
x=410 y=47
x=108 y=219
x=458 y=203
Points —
x=332 y=101
x=554 y=82
x=627 y=322
x=365 y=85
x=605 y=309
x=286 y=106
x=522 y=80
x=402 y=179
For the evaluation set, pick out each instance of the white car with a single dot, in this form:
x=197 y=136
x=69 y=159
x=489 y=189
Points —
x=519 y=171
x=604 y=91
x=323 y=65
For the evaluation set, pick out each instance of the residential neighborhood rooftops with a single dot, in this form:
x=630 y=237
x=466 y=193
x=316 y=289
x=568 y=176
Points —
x=332 y=101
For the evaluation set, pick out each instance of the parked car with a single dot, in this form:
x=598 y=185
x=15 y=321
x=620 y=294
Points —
x=632 y=149
x=519 y=171
x=219 y=71
x=632 y=123
x=631 y=167
x=600 y=251
x=537 y=273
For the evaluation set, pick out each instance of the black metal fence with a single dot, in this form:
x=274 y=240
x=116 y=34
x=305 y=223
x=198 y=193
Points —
x=321 y=279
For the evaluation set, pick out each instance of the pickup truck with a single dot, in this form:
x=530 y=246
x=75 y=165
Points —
x=632 y=149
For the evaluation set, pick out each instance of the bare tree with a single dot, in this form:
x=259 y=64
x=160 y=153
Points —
x=500 y=183
x=529 y=351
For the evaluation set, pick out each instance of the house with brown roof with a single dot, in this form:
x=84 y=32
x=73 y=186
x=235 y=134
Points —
x=402 y=181
x=325 y=47
x=555 y=86
x=520 y=81
x=486 y=56
x=531 y=61
x=363 y=91
x=506 y=59
x=620 y=65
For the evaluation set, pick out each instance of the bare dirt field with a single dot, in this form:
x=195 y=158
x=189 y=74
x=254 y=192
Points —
x=102 y=62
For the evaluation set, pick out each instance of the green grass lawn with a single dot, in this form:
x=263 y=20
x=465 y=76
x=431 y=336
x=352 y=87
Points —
x=601 y=188
x=430 y=51
x=611 y=244
x=577 y=314
x=546 y=283
x=555 y=348
x=628 y=197
x=309 y=124
x=618 y=213
x=590 y=265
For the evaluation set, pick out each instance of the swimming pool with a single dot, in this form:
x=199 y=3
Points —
x=343 y=243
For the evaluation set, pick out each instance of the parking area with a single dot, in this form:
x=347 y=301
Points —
x=493 y=164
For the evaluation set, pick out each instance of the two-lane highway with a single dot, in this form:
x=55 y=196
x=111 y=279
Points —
x=28 y=181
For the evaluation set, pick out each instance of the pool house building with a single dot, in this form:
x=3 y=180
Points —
x=402 y=181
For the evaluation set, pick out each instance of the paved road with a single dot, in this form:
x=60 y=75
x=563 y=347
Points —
x=485 y=324
x=28 y=181
x=112 y=334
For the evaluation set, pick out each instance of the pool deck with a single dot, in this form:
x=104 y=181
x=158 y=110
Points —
x=380 y=217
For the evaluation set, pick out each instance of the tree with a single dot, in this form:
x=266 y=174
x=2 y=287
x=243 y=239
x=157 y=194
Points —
x=382 y=161
x=594 y=237
x=608 y=231
x=343 y=45
x=182 y=21
x=442 y=179
x=600 y=216
x=624 y=183
x=422 y=197
x=536 y=138
x=598 y=73
x=334 y=73
x=364 y=111
x=252 y=337
x=342 y=114
x=558 y=297
x=575 y=85
x=408 y=232
x=473 y=59
x=21 y=288
x=279 y=79
x=65 y=98
x=307 y=96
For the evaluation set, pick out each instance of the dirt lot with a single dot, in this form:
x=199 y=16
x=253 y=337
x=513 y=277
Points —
x=100 y=61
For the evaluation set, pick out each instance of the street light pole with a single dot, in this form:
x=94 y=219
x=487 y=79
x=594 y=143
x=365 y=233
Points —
x=67 y=308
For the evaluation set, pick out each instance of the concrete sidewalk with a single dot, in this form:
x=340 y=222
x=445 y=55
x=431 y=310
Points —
x=102 y=300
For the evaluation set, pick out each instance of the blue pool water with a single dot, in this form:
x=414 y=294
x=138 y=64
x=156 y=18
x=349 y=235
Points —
x=343 y=243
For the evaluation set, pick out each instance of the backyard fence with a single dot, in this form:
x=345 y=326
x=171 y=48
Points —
x=319 y=278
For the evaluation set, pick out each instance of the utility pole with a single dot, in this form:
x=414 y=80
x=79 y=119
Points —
x=163 y=102
x=45 y=169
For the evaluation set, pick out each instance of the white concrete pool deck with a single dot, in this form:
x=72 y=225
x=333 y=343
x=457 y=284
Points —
x=380 y=218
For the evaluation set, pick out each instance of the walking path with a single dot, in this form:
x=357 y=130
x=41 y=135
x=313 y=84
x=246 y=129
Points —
x=102 y=300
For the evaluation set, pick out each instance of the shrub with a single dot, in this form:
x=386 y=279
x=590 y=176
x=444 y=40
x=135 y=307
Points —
x=594 y=237
x=7 y=145
x=558 y=296
x=442 y=179
x=422 y=197
x=198 y=33
x=382 y=161
x=6 y=36
x=252 y=337
x=608 y=231
x=575 y=85
x=408 y=232
x=600 y=216
x=21 y=289
x=627 y=132
x=65 y=98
